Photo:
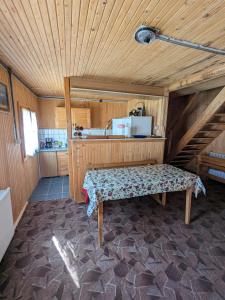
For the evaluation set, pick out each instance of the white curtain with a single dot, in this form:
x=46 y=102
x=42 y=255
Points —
x=35 y=131
x=30 y=131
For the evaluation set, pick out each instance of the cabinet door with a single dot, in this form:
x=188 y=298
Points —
x=48 y=164
x=62 y=159
x=81 y=117
x=60 y=117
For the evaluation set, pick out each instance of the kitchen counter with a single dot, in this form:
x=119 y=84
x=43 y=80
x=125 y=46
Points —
x=84 y=140
x=87 y=152
x=55 y=149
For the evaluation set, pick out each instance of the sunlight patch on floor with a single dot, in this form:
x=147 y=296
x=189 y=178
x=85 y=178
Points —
x=66 y=259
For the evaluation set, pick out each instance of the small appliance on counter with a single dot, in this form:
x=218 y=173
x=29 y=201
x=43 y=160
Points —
x=42 y=145
x=48 y=143
x=132 y=126
x=139 y=111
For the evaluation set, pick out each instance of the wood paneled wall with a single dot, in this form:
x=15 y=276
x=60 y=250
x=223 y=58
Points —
x=101 y=113
x=21 y=176
x=88 y=152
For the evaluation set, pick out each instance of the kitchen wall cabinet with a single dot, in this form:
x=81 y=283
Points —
x=53 y=163
x=60 y=117
x=81 y=117
x=101 y=112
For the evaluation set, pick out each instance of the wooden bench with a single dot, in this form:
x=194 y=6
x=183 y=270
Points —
x=205 y=162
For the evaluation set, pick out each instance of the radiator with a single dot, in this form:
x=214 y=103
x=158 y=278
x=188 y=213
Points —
x=6 y=221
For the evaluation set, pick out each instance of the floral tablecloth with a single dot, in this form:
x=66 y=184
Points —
x=122 y=183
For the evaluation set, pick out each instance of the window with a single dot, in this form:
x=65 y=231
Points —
x=30 y=132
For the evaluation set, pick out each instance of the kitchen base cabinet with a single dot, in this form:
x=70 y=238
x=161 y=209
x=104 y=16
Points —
x=48 y=164
x=62 y=161
x=53 y=163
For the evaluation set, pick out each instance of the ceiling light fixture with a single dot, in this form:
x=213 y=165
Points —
x=146 y=35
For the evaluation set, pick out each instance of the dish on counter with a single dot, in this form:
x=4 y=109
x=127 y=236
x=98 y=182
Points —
x=139 y=136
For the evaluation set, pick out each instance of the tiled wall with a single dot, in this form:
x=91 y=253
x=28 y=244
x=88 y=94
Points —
x=57 y=134
x=61 y=134
x=96 y=131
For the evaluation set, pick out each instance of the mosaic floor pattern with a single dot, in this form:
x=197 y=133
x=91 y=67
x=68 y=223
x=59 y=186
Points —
x=148 y=252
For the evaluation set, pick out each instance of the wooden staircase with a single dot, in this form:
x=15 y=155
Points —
x=208 y=127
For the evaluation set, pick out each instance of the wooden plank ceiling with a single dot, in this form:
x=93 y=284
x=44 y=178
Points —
x=43 y=41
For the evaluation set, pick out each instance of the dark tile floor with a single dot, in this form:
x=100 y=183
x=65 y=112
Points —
x=148 y=252
x=51 y=188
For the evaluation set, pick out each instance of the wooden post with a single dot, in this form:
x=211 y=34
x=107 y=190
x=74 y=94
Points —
x=164 y=199
x=100 y=223
x=68 y=106
x=69 y=131
x=188 y=205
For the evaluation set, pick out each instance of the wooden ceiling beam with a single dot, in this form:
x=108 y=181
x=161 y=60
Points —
x=112 y=87
x=198 y=78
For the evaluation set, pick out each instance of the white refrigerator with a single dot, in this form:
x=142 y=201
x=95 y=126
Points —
x=132 y=126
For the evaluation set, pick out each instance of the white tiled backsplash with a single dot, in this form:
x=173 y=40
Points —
x=95 y=131
x=59 y=135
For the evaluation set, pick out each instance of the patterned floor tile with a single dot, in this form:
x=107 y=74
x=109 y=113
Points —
x=148 y=252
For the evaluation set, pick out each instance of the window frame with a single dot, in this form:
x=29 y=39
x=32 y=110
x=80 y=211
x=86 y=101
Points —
x=21 y=128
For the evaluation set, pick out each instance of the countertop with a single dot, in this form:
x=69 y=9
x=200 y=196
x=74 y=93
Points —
x=55 y=149
x=150 y=139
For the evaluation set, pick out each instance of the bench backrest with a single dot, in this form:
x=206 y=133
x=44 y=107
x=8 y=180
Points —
x=122 y=164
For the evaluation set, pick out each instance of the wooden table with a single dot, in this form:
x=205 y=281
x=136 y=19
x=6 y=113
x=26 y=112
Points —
x=134 y=181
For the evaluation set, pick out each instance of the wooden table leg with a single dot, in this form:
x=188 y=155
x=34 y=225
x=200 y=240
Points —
x=188 y=205
x=156 y=198
x=100 y=223
x=163 y=199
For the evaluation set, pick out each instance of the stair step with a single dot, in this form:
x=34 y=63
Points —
x=182 y=159
x=178 y=156
x=210 y=130
x=202 y=138
x=191 y=150
x=215 y=123
x=195 y=145
x=180 y=162
x=219 y=114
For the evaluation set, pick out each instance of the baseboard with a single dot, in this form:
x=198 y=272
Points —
x=20 y=216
